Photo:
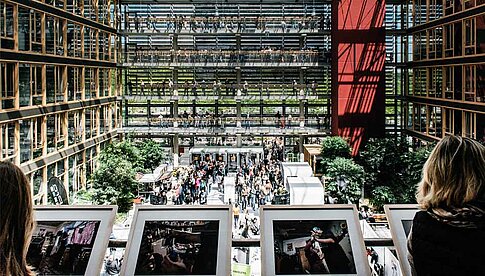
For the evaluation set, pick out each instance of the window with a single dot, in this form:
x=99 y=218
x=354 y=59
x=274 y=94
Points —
x=56 y=134
x=480 y=82
x=75 y=81
x=469 y=36
x=449 y=7
x=90 y=83
x=75 y=127
x=36 y=19
x=55 y=83
x=448 y=77
x=6 y=25
x=74 y=40
x=469 y=80
x=30 y=84
x=448 y=40
x=434 y=82
x=434 y=121
x=36 y=72
x=89 y=43
x=104 y=82
x=470 y=124
x=91 y=122
x=449 y=121
x=54 y=36
x=7 y=141
x=419 y=82
x=469 y=4
x=7 y=97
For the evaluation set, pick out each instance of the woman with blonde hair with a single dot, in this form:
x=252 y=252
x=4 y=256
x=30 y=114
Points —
x=448 y=234
x=16 y=220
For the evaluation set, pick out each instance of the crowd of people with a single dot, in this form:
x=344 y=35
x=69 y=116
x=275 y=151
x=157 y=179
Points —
x=153 y=54
x=229 y=88
x=211 y=120
x=212 y=24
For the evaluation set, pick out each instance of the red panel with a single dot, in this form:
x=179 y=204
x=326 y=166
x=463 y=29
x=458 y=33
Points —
x=358 y=78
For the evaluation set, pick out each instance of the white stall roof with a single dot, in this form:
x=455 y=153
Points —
x=149 y=178
x=301 y=169
x=216 y=149
x=305 y=191
x=229 y=189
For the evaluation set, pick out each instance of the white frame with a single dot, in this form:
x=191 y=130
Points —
x=347 y=212
x=395 y=215
x=222 y=213
x=104 y=214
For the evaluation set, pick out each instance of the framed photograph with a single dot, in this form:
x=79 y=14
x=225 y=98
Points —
x=179 y=240
x=70 y=240
x=400 y=218
x=315 y=240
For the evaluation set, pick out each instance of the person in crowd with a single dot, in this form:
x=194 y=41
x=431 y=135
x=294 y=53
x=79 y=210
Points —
x=448 y=233
x=16 y=220
x=278 y=118
x=235 y=213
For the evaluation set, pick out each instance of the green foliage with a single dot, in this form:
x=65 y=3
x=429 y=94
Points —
x=392 y=170
x=333 y=147
x=352 y=173
x=83 y=197
x=114 y=182
x=126 y=150
x=152 y=154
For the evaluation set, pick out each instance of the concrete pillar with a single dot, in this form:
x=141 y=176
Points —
x=149 y=112
x=302 y=112
x=238 y=140
x=175 y=111
x=175 y=143
x=301 y=148
x=238 y=113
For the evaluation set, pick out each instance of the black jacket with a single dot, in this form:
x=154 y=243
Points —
x=440 y=249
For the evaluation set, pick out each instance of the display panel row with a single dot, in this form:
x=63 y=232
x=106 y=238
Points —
x=188 y=240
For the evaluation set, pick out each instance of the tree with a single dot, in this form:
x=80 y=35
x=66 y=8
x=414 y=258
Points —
x=114 y=182
x=152 y=154
x=392 y=170
x=126 y=150
x=349 y=172
x=333 y=147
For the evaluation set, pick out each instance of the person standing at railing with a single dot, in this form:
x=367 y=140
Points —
x=142 y=87
x=245 y=88
x=278 y=118
x=202 y=86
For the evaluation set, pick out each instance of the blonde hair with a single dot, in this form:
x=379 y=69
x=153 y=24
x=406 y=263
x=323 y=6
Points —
x=16 y=220
x=454 y=174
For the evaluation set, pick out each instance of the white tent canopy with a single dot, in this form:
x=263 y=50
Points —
x=305 y=190
x=292 y=169
x=229 y=188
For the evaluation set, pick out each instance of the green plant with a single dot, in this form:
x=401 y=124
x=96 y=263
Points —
x=392 y=170
x=152 y=154
x=333 y=147
x=348 y=172
x=114 y=182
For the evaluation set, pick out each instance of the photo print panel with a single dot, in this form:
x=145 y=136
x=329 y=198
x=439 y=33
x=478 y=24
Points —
x=70 y=240
x=179 y=240
x=312 y=240
x=400 y=218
